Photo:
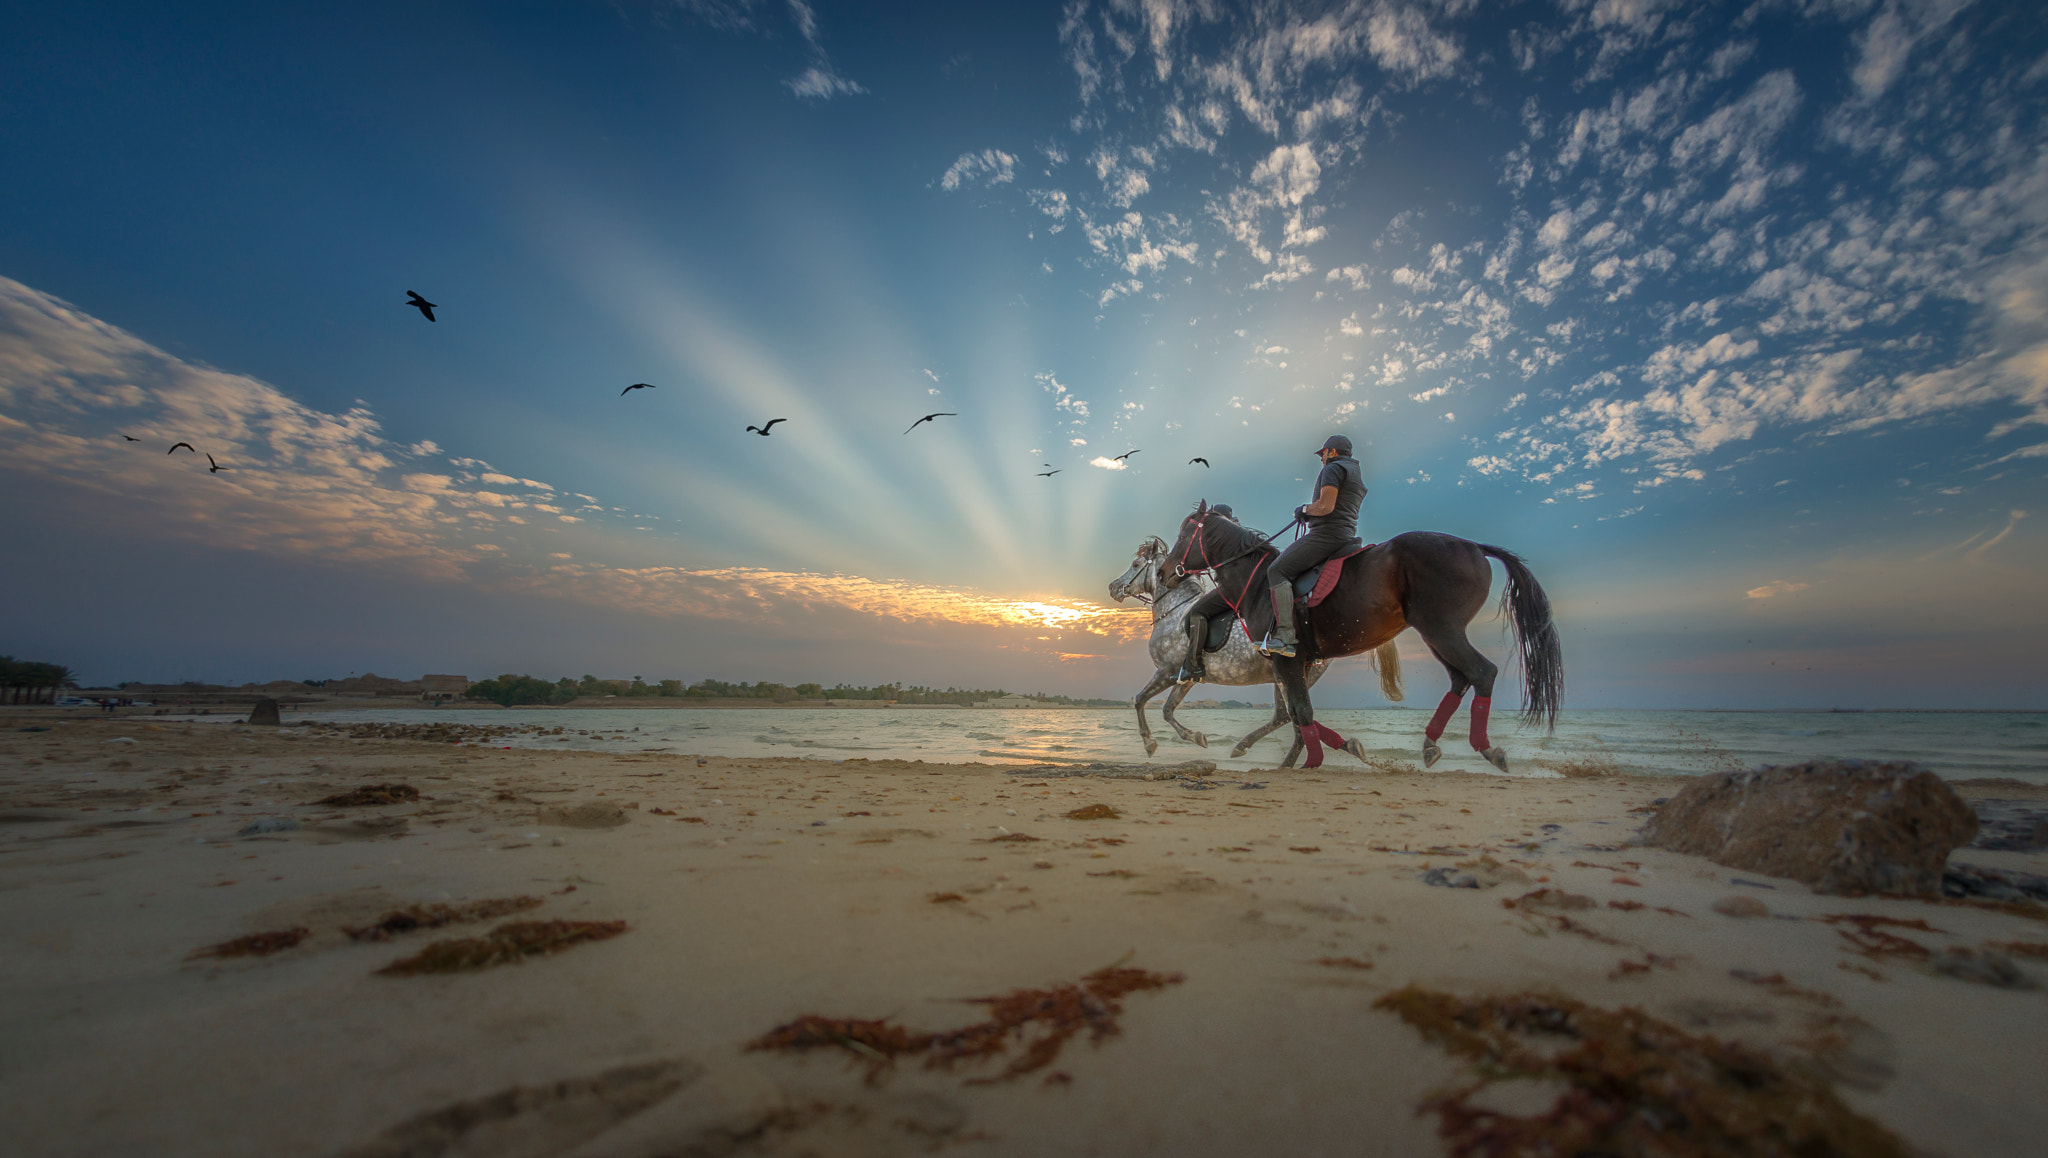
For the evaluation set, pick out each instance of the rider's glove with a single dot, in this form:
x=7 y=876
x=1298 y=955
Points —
x=1301 y=514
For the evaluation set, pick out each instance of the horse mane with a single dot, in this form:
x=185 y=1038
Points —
x=1234 y=536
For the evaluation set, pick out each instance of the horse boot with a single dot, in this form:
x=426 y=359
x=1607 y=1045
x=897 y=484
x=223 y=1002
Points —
x=1281 y=640
x=1194 y=669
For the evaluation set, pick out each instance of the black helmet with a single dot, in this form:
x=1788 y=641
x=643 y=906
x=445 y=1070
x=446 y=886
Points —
x=1224 y=510
x=1338 y=443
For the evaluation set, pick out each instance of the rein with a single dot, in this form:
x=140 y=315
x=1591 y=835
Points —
x=1202 y=537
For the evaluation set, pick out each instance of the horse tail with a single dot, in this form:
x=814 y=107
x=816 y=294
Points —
x=1542 y=656
x=1388 y=660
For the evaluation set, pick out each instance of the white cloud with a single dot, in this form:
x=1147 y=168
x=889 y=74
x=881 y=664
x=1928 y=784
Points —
x=1775 y=588
x=991 y=166
x=1108 y=463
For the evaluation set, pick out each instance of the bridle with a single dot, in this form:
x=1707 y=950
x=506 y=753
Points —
x=1181 y=570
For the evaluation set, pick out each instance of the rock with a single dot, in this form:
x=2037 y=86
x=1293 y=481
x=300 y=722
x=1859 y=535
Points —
x=1843 y=827
x=2011 y=825
x=1450 y=879
x=265 y=712
x=1968 y=880
x=590 y=815
x=267 y=824
x=1741 y=907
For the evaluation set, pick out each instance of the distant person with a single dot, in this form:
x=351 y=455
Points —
x=1332 y=520
x=1194 y=669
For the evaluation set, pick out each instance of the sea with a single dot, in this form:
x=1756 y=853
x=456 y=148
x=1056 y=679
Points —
x=1956 y=745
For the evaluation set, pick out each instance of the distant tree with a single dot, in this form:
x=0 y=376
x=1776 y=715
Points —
x=516 y=690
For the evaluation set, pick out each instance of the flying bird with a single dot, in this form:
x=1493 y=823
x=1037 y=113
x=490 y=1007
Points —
x=1196 y=459
x=176 y=445
x=421 y=304
x=1047 y=473
x=929 y=417
x=763 y=430
x=213 y=467
x=636 y=386
x=1123 y=456
x=131 y=439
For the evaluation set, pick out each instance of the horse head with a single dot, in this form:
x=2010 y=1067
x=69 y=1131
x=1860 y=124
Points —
x=1177 y=561
x=1142 y=578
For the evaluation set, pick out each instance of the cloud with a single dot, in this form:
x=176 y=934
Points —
x=820 y=81
x=1775 y=588
x=992 y=166
x=1108 y=463
x=333 y=488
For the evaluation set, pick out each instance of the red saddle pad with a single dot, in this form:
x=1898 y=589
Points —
x=1333 y=570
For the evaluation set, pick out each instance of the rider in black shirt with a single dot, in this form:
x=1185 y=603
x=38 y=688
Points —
x=1332 y=522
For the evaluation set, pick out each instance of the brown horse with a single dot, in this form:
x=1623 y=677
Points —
x=1432 y=582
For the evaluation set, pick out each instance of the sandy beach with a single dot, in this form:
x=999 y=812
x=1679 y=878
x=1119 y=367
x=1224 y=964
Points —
x=1288 y=955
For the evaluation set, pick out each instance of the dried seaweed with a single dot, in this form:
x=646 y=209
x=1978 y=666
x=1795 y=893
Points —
x=1867 y=921
x=2034 y=949
x=256 y=944
x=1637 y=1086
x=413 y=918
x=507 y=944
x=945 y=898
x=1878 y=945
x=1041 y=1021
x=1776 y=983
x=1305 y=848
x=1344 y=963
x=373 y=794
x=1094 y=812
x=1016 y=838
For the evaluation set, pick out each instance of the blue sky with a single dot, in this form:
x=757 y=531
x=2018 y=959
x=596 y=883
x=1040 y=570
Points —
x=1733 y=319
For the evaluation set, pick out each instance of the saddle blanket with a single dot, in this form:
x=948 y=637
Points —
x=1318 y=584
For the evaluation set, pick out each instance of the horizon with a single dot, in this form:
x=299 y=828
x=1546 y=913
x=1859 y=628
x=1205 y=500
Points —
x=1732 y=320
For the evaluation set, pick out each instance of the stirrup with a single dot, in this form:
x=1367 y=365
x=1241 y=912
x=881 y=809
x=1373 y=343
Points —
x=1271 y=646
x=1184 y=676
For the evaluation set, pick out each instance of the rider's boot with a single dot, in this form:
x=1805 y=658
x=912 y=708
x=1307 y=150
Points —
x=1281 y=640
x=1193 y=669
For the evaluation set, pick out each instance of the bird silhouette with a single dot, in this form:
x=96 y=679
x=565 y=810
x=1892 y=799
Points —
x=131 y=439
x=763 y=430
x=636 y=386
x=176 y=445
x=929 y=417
x=213 y=467
x=1123 y=456
x=1047 y=473
x=1196 y=459
x=421 y=304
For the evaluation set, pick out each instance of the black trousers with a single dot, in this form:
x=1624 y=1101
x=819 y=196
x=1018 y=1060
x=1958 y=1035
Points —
x=1319 y=544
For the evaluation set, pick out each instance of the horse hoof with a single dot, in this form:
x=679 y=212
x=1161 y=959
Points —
x=1356 y=747
x=1151 y=746
x=1238 y=751
x=1201 y=739
x=1497 y=758
x=1431 y=754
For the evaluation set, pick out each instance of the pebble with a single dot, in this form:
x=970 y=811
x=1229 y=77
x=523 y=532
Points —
x=1450 y=879
x=268 y=824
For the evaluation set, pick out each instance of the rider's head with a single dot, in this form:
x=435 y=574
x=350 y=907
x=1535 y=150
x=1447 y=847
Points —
x=1335 y=446
x=1224 y=510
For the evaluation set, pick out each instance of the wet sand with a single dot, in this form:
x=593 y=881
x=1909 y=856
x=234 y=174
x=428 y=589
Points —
x=764 y=890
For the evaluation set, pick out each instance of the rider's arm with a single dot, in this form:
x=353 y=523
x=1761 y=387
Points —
x=1324 y=504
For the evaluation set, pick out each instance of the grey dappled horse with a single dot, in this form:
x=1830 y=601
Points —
x=1236 y=664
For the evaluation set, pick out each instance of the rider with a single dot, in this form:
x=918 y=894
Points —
x=1200 y=612
x=1332 y=522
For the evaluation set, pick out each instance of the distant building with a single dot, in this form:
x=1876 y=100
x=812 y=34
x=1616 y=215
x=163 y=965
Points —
x=1010 y=701
x=443 y=687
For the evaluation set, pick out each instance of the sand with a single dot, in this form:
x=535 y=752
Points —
x=766 y=890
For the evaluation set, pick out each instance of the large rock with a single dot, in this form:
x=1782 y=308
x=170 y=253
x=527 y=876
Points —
x=1845 y=827
x=265 y=712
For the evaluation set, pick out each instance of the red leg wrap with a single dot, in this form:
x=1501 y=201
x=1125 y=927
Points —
x=1480 y=706
x=1327 y=736
x=1444 y=712
x=1312 y=736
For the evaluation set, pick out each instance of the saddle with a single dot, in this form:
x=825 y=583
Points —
x=1315 y=585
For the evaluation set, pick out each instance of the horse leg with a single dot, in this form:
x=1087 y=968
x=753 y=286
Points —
x=1265 y=729
x=1468 y=669
x=1173 y=698
x=1290 y=676
x=1159 y=680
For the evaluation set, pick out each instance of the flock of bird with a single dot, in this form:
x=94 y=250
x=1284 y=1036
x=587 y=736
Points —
x=426 y=309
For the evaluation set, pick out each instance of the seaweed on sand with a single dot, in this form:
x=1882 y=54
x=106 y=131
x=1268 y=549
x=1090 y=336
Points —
x=1094 y=812
x=256 y=944
x=510 y=943
x=413 y=918
x=1042 y=1021
x=373 y=794
x=1636 y=1086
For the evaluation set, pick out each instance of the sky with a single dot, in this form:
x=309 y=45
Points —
x=1732 y=319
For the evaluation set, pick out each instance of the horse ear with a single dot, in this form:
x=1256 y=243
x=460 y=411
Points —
x=1201 y=508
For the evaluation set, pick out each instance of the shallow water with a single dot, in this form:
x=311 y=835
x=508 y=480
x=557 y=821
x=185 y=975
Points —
x=1954 y=744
